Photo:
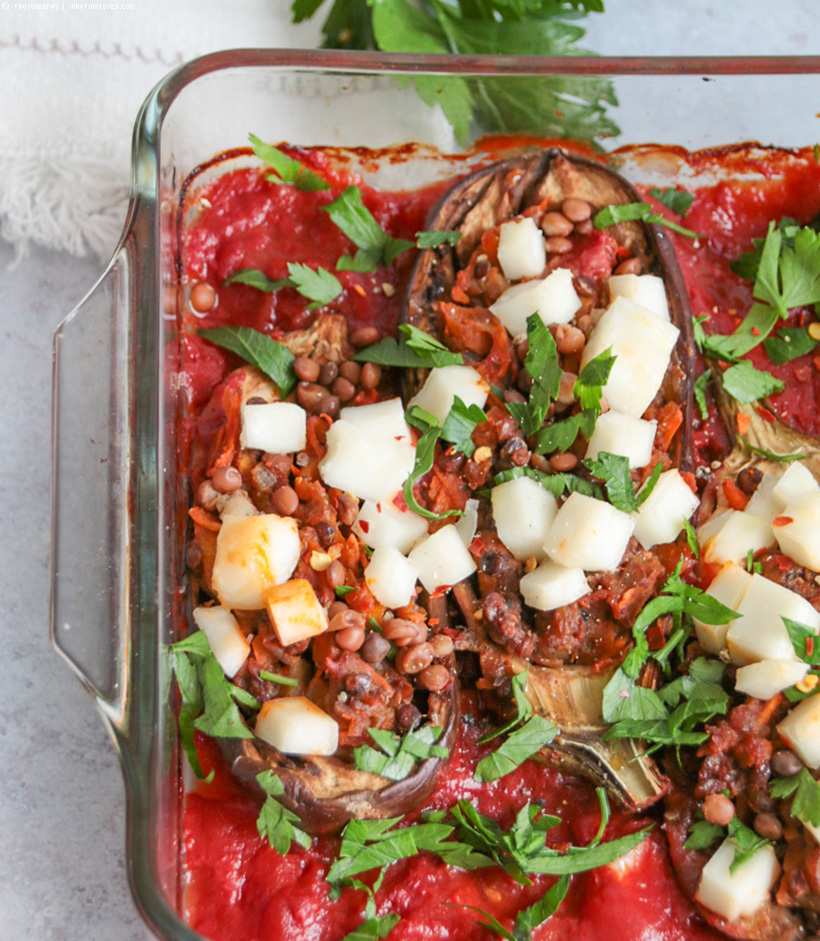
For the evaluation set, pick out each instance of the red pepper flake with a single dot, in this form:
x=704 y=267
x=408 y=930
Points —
x=782 y=520
x=755 y=332
x=764 y=413
x=809 y=646
x=359 y=290
x=365 y=526
x=433 y=622
x=743 y=422
x=735 y=497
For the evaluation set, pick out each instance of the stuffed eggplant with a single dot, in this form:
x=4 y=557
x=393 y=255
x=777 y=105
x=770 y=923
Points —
x=317 y=655
x=527 y=266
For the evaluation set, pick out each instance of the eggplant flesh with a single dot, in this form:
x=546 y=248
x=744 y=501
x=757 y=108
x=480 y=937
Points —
x=324 y=792
x=567 y=694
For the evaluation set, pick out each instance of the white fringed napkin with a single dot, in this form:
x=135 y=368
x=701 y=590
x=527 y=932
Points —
x=74 y=75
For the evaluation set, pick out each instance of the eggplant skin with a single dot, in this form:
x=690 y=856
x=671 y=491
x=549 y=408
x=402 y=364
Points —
x=325 y=793
x=502 y=190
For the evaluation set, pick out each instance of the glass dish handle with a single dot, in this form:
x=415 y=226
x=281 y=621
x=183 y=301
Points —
x=91 y=489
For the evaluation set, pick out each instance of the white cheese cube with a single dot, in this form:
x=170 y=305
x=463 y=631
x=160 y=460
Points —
x=444 y=383
x=295 y=611
x=735 y=894
x=370 y=466
x=468 y=523
x=384 y=524
x=796 y=484
x=550 y=586
x=553 y=298
x=801 y=731
x=713 y=525
x=642 y=343
x=768 y=677
x=589 y=534
x=391 y=577
x=253 y=553
x=523 y=511
x=759 y=632
x=762 y=502
x=275 y=427
x=225 y=638
x=797 y=531
x=728 y=587
x=442 y=559
x=617 y=433
x=739 y=532
x=521 y=250
x=648 y=290
x=296 y=726
x=381 y=418
x=661 y=516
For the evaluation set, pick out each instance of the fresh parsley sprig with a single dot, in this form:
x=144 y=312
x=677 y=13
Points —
x=544 y=368
x=638 y=212
x=747 y=843
x=785 y=267
x=678 y=200
x=458 y=426
x=374 y=926
x=806 y=792
x=556 y=484
x=527 y=918
x=375 y=844
x=532 y=734
x=319 y=286
x=209 y=699
x=286 y=169
x=271 y=357
x=376 y=247
x=276 y=824
x=414 y=349
x=566 y=107
x=522 y=852
x=396 y=757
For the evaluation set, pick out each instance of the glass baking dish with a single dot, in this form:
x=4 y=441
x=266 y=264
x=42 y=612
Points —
x=119 y=500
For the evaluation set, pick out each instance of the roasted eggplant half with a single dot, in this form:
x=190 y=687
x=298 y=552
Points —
x=756 y=535
x=327 y=647
x=472 y=295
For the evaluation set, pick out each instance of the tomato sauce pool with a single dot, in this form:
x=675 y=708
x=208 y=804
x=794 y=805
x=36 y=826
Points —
x=240 y=889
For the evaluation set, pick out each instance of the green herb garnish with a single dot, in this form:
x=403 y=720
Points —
x=278 y=678
x=788 y=344
x=376 y=247
x=677 y=200
x=543 y=366
x=436 y=237
x=566 y=107
x=273 y=358
x=806 y=791
x=414 y=349
x=396 y=757
x=276 y=824
x=747 y=384
x=638 y=212
x=287 y=170
x=699 y=390
x=782 y=458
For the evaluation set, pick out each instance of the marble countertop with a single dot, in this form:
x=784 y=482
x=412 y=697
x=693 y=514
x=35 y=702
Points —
x=62 y=867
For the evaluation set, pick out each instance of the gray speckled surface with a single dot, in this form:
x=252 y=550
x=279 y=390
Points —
x=62 y=871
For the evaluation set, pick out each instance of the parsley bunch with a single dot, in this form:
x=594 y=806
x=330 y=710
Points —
x=569 y=107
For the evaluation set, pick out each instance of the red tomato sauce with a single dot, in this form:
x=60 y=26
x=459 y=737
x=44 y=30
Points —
x=238 y=887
